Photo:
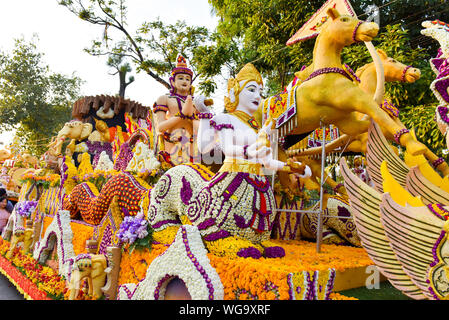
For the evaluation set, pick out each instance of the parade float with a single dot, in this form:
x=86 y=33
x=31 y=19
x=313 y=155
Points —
x=404 y=227
x=172 y=201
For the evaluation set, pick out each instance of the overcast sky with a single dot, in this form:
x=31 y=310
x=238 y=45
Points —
x=63 y=36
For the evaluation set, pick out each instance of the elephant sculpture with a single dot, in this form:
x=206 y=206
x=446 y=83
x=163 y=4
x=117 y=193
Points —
x=75 y=130
x=5 y=155
x=21 y=235
x=92 y=267
x=30 y=160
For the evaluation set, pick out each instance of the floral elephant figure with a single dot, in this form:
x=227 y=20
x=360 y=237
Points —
x=5 y=155
x=75 y=130
x=21 y=235
x=92 y=268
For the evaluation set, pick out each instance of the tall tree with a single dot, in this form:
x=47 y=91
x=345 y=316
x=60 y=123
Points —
x=33 y=100
x=258 y=30
x=262 y=27
x=410 y=14
x=153 y=47
x=121 y=69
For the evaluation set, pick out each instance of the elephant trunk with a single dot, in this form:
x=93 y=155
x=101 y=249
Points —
x=75 y=282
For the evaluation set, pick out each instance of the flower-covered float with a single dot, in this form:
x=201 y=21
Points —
x=119 y=218
x=404 y=229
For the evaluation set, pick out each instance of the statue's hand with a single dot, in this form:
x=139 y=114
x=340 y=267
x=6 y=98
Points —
x=301 y=169
x=258 y=151
x=200 y=105
x=187 y=108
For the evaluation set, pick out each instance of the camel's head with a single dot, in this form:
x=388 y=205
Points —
x=347 y=29
x=397 y=71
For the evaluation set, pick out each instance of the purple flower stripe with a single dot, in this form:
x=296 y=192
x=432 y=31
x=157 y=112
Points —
x=161 y=223
x=206 y=224
x=217 y=235
x=328 y=70
x=330 y=284
x=186 y=191
x=441 y=86
x=159 y=285
x=197 y=265
x=219 y=127
x=442 y=111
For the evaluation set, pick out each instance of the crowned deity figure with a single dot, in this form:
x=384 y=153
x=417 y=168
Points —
x=174 y=121
x=244 y=142
x=238 y=201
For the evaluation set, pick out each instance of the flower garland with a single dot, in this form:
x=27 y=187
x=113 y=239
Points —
x=438 y=210
x=52 y=180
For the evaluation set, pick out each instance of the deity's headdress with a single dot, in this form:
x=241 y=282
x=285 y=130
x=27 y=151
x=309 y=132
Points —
x=181 y=67
x=247 y=73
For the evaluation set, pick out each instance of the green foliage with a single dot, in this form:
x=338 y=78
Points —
x=144 y=243
x=262 y=27
x=153 y=47
x=394 y=40
x=410 y=14
x=33 y=100
x=122 y=69
x=421 y=118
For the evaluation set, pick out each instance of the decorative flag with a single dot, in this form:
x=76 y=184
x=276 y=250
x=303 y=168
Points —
x=312 y=27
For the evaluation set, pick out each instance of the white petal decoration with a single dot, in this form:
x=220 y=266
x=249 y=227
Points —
x=186 y=258
x=58 y=233
x=104 y=162
x=143 y=158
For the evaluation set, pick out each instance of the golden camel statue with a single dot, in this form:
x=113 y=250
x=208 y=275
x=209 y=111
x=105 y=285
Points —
x=329 y=96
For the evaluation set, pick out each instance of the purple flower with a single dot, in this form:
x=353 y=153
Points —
x=25 y=208
x=249 y=252
x=133 y=228
x=274 y=252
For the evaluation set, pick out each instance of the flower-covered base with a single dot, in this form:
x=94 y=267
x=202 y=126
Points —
x=59 y=234
x=186 y=258
x=300 y=274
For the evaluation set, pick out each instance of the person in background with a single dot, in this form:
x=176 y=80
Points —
x=5 y=209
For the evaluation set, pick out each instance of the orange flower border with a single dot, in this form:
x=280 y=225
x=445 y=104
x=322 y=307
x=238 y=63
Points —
x=27 y=286
x=301 y=274
x=81 y=233
x=24 y=285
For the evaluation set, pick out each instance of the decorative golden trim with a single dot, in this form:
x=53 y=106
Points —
x=239 y=165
